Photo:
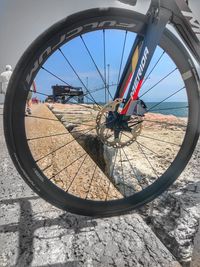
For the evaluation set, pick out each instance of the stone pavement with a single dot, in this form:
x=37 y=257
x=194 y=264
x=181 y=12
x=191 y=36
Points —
x=34 y=233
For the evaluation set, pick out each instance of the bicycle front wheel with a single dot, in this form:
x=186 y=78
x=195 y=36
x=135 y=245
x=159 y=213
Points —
x=66 y=148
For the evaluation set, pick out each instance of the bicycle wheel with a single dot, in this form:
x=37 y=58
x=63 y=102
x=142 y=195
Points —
x=67 y=151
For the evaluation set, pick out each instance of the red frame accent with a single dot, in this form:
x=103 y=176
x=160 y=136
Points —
x=132 y=98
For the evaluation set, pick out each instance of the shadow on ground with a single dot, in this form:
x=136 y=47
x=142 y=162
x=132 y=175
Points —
x=28 y=225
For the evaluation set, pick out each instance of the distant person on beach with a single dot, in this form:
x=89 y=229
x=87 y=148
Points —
x=29 y=98
x=4 y=79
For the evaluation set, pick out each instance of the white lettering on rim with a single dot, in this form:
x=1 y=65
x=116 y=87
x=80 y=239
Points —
x=65 y=37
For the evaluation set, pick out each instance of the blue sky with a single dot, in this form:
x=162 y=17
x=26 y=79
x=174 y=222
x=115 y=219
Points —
x=78 y=56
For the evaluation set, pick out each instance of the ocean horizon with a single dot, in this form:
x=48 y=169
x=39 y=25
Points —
x=178 y=109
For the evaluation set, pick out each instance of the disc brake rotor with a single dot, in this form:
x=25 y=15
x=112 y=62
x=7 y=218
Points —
x=116 y=136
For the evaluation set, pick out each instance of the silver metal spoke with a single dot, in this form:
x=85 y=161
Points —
x=76 y=173
x=104 y=53
x=129 y=161
x=53 y=135
x=95 y=64
x=68 y=166
x=54 y=75
x=147 y=148
x=152 y=138
x=141 y=149
x=40 y=118
x=113 y=167
x=166 y=98
x=173 y=108
x=79 y=78
x=161 y=80
x=122 y=57
x=165 y=123
x=122 y=171
x=95 y=168
x=75 y=139
x=156 y=64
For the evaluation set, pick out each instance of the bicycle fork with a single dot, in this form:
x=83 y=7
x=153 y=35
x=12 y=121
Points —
x=139 y=59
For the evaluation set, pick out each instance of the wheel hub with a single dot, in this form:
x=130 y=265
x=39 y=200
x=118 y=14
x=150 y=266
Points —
x=116 y=130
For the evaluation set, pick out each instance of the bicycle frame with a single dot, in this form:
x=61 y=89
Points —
x=160 y=13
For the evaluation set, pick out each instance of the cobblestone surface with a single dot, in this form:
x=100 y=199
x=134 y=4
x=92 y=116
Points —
x=33 y=233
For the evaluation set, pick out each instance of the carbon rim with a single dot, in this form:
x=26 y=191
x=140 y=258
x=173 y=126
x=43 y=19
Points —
x=38 y=177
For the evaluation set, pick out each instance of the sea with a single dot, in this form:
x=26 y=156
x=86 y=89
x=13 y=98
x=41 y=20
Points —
x=178 y=109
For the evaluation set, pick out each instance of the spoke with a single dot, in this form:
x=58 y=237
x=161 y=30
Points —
x=76 y=173
x=82 y=105
x=129 y=161
x=122 y=171
x=91 y=181
x=101 y=88
x=43 y=170
x=122 y=57
x=170 y=73
x=38 y=93
x=141 y=149
x=75 y=139
x=166 y=123
x=47 y=136
x=116 y=152
x=46 y=167
x=70 y=103
x=125 y=135
x=79 y=78
x=107 y=135
x=152 y=138
x=108 y=81
x=111 y=175
x=62 y=182
x=77 y=103
x=153 y=67
x=105 y=79
x=166 y=98
x=78 y=123
x=89 y=120
x=148 y=148
x=152 y=151
x=66 y=133
x=104 y=53
x=53 y=176
x=101 y=76
x=134 y=124
x=41 y=118
x=81 y=124
x=56 y=76
x=90 y=100
x=86 y=94
x=169 y=108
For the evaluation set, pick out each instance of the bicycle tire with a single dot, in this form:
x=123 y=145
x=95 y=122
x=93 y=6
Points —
x=15 y=129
